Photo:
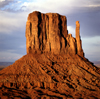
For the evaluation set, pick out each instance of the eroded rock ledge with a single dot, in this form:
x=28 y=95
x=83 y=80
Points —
x=48 y=33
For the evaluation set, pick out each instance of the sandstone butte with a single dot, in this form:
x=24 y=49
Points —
x=54 y=67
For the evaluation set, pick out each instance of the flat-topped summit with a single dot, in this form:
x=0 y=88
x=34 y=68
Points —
x=48 y=33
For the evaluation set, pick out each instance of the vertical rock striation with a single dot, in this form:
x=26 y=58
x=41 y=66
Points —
x=45 y=32
x=48 y=33
x=78 y=40
x=71 y=44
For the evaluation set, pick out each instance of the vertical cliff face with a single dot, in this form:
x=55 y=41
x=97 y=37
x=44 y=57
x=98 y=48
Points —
x=48 y=33
x=45 y=32
x=71 y=44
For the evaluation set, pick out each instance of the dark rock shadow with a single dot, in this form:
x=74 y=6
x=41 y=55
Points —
x=12 y=93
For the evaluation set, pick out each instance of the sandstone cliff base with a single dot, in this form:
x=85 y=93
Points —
x=41 y=76
x=54 y=67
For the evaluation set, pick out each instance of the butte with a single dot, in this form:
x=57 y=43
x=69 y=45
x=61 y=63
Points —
x=54 y=67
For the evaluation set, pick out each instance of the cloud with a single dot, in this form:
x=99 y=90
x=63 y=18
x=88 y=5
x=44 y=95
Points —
x=93 y=6
x=60 y=6
x=71 y=30
x=2 y=0
x=19 y=1
x=4 y=3
x=12 y=22
x=12 y=35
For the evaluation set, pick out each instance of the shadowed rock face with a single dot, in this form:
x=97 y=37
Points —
x=54 y=67
x=48 y=33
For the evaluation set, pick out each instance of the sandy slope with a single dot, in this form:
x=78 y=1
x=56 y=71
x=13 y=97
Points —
x=49 y=75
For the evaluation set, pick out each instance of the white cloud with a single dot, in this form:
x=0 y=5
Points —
x=71 y=30
x=11 y=21
x=49 y=6
x=2 y=0
x=4 y=3
x=60 y=6
x=19 y=1
x=93 y=6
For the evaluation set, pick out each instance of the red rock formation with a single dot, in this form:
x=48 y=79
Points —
x=48 y=33
x=45 y=32
x=59 y=74
x=71 y=44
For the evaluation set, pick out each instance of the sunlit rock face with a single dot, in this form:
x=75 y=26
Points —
x=48 y=33
x=78 y=40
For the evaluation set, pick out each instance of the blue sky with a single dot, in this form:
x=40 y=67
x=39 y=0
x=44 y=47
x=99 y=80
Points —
x=14 y=13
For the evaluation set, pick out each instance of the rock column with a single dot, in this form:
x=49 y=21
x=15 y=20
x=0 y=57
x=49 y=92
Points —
x=78 y=40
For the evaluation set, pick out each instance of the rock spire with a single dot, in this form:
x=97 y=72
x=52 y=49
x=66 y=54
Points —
x=78 y=40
